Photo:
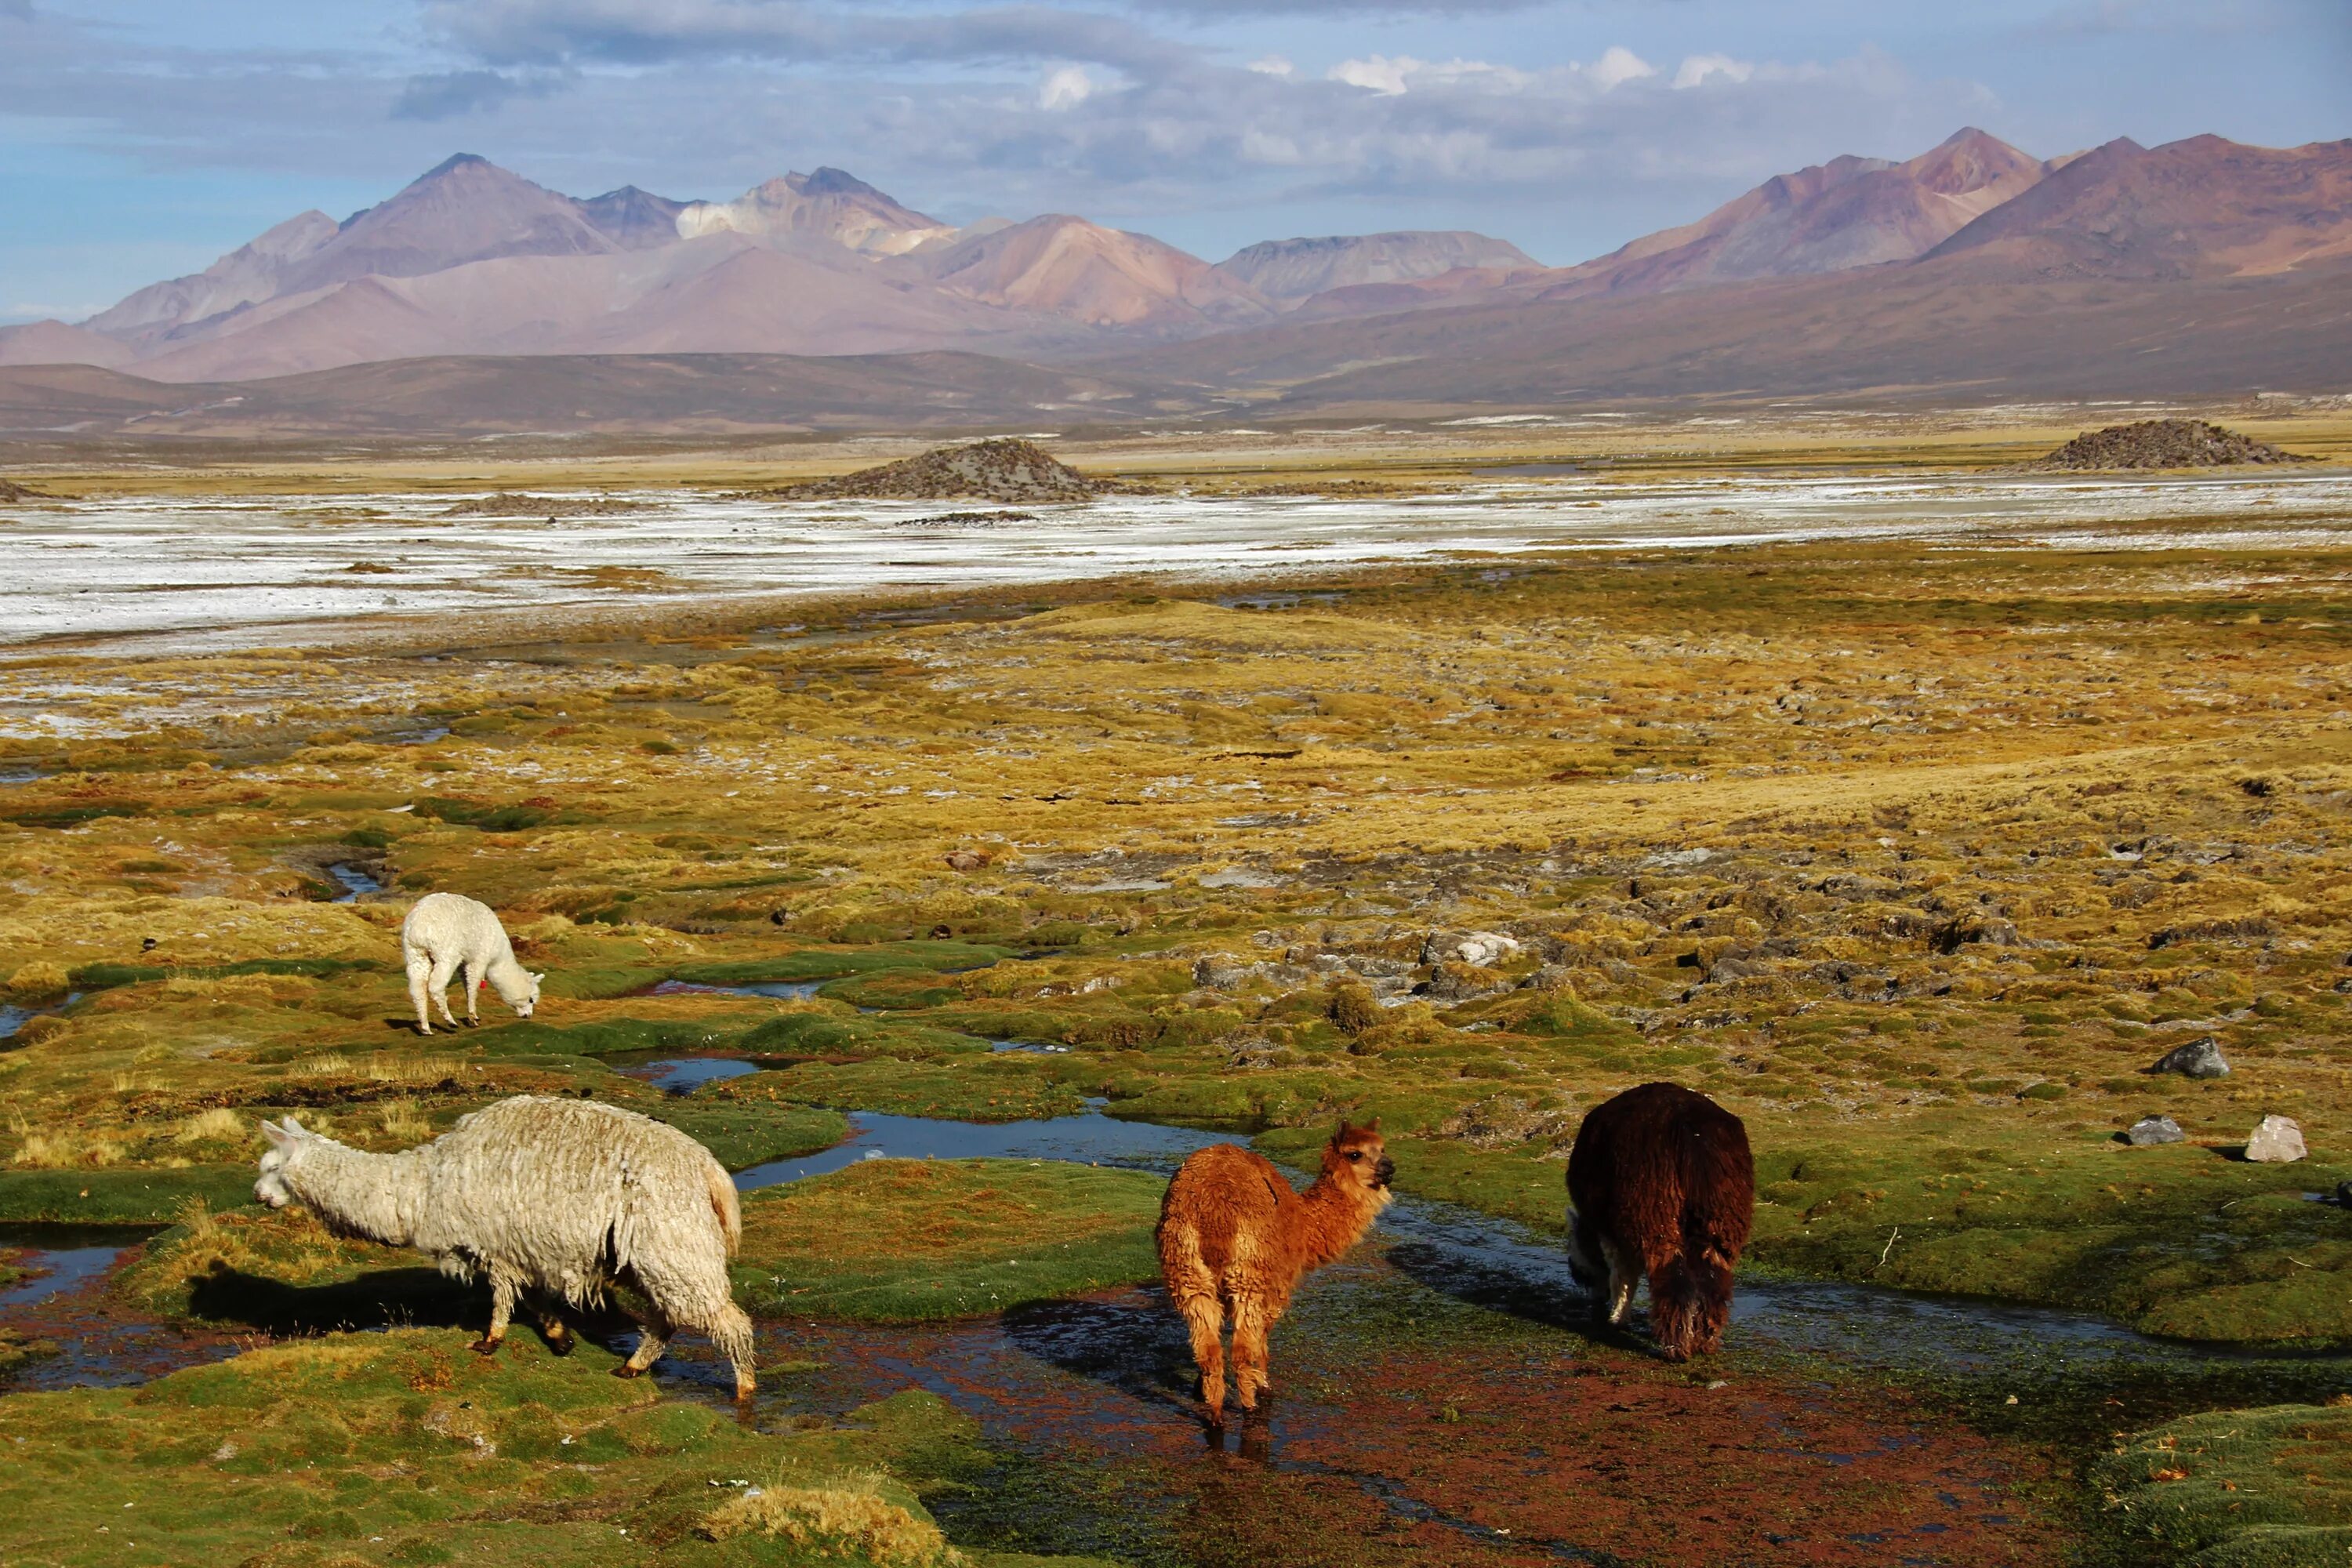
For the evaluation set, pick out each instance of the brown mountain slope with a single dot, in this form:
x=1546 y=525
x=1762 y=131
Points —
x=827 y=205
x=1289 y=270
x=2204 y=208
x=53 y=343
x=1066 y=267
x=1926 y=329
x=463 y=396
x=723 y=294
x=1850 y=212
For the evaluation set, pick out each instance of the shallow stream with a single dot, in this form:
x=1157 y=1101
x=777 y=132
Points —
x=1443 y=1398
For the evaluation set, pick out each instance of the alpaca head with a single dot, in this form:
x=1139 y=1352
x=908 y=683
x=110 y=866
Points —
x=1357 y=1160
x=523 y=1008
x=284 y=1140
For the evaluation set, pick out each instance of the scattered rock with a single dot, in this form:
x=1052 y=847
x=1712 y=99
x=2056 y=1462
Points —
x=13 y=491
x=966 y=859
x=2150 y=1130
x=2201 y=1057
x=1479 y=949
x=2276 y=1141
x=966 y=520
x=2160 y=444
x=1506 y=1122
x=2253 y=927
x=1005 y=470
x=510 y=503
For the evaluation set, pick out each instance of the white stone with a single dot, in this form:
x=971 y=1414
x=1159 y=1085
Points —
x=2276 y=1141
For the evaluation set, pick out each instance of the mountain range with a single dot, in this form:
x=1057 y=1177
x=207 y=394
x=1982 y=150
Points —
x=2198 y=265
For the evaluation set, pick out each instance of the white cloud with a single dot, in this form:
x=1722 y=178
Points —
x=1065 y=89
x=1392 y=77
x=1696 y=68
x=1376 y=73
x=1273 y=64
x=1617 y=66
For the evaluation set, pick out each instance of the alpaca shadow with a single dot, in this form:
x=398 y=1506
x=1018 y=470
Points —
x=384 y=1298
x=1139 y=1347
x=1554 y=1301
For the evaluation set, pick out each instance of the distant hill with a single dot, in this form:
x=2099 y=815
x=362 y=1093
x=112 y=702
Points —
x=1972 y=270
x=1288 y=271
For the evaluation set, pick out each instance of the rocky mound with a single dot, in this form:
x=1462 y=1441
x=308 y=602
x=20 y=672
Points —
x=18 y=492
x=2160 y=444
x=509 y=503
x=1005 y=470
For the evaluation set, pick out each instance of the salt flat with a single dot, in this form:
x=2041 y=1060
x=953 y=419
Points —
x=182 y=574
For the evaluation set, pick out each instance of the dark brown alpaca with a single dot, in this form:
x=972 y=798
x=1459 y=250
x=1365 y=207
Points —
x=1661 y=1182
x=1235 y=1240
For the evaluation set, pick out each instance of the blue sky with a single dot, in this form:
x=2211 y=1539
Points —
x=140 y=139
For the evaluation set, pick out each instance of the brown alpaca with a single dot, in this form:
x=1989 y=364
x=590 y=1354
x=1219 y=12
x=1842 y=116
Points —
x=1661 y=1182
x=1235 y=1240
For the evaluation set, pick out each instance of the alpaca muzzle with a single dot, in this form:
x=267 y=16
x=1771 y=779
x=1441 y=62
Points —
x=1383 y=1170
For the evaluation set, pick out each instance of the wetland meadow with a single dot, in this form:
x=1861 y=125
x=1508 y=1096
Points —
x=952 y=875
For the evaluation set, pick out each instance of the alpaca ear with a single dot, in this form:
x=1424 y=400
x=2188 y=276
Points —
x=293 y=1128
x=1374 y=1125
x=278 y=1137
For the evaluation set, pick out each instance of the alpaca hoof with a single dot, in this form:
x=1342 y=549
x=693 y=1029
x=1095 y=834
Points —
x=744 y=1388
x=485 y=1346
x=625 y=1370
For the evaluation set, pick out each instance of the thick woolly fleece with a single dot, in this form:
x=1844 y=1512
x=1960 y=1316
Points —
x=1235 y=1240
x=448 y=931
x=559 y=1196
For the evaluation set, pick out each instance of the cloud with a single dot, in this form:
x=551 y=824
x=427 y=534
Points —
x=1273 y=64
x=1696 y=68
x=1065 y=89
x=506 y=33
x=1618 y=65
x=451 y=93
x=1376 y=73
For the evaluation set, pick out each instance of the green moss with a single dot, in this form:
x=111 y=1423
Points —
x=118 y=1196
x=998 y=1088
x=903 y=1240
x=106 y=976
x=401 y=1449
x=747 y=1132
x=832 y=963
x=2235 y=1489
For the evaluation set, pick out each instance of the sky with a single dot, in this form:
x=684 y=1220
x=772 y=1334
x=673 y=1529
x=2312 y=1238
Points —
x=142 y=139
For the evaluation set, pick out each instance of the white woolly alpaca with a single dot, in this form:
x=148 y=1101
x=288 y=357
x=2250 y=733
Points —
x=445 y=931
x=560 y=1197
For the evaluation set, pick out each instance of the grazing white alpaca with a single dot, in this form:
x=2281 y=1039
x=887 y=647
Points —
x=558 y=1197
x=446 y=931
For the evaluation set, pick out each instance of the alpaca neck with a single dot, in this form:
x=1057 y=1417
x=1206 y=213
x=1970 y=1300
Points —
x=509 y=978
x=372 y=1196
x=1329 y=1219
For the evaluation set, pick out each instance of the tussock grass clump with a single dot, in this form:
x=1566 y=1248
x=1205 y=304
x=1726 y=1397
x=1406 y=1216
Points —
x=2269 y=1488
x=850 y=1519
x=38 y=981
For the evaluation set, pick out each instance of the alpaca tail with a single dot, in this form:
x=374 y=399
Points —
x=725 y=1203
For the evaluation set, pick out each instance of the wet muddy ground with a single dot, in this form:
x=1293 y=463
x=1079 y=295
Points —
x=1441 y=1398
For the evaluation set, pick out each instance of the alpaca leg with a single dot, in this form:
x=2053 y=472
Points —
x=730 y=1331
x=505 y=1285
x=1624 y=1273
x=560 y=1339
x=654 y=1332
x=1253 y=1319
x=437 y=984
x=1204 y=1320
x=473 y=992
x=419 y=969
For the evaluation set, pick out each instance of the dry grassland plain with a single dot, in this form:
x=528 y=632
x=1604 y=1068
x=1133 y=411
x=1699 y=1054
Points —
x=1913 y=854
